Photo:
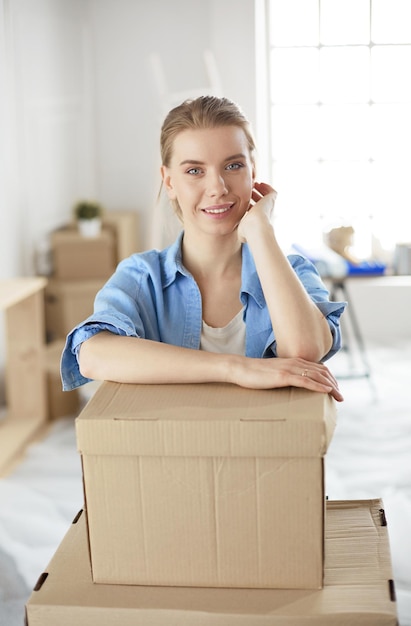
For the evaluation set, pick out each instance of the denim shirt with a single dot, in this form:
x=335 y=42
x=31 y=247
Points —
x=151 y=295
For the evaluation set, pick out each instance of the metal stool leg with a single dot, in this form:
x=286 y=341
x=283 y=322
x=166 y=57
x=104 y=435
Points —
x=340 y=286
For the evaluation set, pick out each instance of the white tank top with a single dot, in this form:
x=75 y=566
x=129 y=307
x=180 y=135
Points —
x=228 y=340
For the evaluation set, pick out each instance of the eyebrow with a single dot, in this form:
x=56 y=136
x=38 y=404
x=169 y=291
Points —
x=240 y=155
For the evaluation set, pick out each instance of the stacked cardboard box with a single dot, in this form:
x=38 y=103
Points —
x=82 y=258
x=125 y=227
x=358 y=587
x=67 y=303
x=205 y=485
x=205 y=504
x=59 y=403
x=81 y=266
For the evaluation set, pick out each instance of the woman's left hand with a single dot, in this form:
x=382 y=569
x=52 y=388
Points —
x=263 y=198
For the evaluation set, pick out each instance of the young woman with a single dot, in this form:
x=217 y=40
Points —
x=223 y=303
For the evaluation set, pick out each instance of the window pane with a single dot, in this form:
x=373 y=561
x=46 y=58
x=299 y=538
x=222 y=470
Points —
x=341 y=119
x=294 y=22
x=390 y=191
x=345 y=200
x=390 y=131
x=391 y=199
x=391 y=71
x=294 y=75
x=344 y=132
x=295 y=132
x=345 y=22
x=344 y=191
x=391 y=21
x=297 y=217
x=345 y=74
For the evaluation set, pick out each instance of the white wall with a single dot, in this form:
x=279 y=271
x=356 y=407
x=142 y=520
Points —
x=128 y=105
x=47 y=63
x=9 y=189
x=80 y=109
x=382 y=306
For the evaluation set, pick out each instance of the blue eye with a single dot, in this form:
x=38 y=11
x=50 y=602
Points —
x=194 y=171
x=234 y=166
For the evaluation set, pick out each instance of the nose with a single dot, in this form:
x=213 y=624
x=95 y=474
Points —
x=216 y=185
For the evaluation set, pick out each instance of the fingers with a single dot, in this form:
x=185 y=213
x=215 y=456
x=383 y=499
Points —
x=315 y=385
x=317 y=377
x=283 y=372
x=263 y=189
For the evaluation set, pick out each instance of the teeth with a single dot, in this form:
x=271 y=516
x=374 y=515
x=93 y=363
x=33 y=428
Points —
x=216 y=210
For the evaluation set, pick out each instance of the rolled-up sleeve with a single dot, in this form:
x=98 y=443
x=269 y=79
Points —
x=115 y=310
x=70 y=372
x=332 y=311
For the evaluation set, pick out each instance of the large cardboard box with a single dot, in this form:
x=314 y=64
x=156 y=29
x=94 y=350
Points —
x=83 y=258
x=358 y=590
x=67 y=303
x=205 y=485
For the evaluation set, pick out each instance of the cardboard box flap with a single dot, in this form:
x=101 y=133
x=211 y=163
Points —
x=355 y=592
x=205 y=420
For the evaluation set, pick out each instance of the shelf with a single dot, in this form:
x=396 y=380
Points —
x=22 y=300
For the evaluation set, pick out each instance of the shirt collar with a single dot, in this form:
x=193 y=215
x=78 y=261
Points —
x=250 y=283
x=173 y=261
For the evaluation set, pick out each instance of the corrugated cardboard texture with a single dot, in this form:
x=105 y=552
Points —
x=205 y=485
x=83 y=258
x=358 y=587
x=205 y=420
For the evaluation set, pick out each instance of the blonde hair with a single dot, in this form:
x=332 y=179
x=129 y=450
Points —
x=200 y=113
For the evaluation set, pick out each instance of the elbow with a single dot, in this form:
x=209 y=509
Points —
x=314 y=352
x=307 y=350
x=86 y=361
x=83 y=364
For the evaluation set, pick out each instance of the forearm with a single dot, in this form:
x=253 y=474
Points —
x=107 y=356
x=299 y=326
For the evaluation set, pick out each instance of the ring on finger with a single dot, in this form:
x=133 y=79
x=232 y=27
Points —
x=304 y=373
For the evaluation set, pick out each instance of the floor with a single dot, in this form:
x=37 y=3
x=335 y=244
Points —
x=370 y=456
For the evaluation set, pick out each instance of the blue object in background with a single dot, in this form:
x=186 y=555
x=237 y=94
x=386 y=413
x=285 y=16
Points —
x=366 y=268
x=330 y=264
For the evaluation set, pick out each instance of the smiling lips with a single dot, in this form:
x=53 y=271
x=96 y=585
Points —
x=218 y=209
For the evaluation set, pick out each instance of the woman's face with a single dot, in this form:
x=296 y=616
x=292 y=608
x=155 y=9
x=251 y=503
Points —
x=211 y=175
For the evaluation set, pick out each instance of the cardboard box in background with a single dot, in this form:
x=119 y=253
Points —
x=67 y=303
x=358 y=587
x=125 y=225
x=82 y=266
x=205 y=485
x=60 y=403
x=83 y=258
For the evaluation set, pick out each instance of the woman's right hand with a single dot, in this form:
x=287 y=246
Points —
x=260 y=211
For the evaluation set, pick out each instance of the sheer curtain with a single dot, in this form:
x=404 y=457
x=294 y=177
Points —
x=338 y=103
x=9 y=171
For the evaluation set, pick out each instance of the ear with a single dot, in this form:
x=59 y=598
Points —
x=254 y=174
x=167 y=182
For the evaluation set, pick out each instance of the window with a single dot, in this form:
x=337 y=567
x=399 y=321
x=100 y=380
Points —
x=339 y=98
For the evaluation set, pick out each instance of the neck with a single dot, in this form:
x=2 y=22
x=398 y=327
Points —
x=213 y=255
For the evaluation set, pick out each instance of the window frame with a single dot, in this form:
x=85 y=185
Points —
x=369 y=225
